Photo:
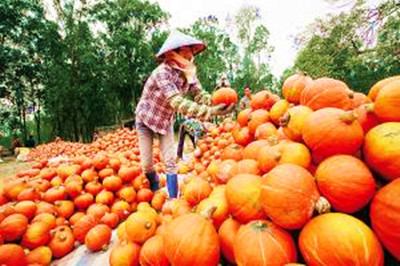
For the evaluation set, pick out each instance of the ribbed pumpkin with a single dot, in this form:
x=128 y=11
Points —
x=13 y=227
x=65 y=208
x=12 y=255
x=191 y=239
x=257 y=117
x=387 y=102
x=252 y=150
x=278 y=110
x=326 y=92
x=242 y=136
x=331 y=131
x=62 y=241
x=84 y=200
x=289 y=196
x=227 y=233
x=196 y=190
x=294 y=85
x=39 y=256
x=125 y=254
x=243 y=117
x=158 y=200
x=217 y=198
x=346 y=182
x=97 y=210
x=152 y=252
x=225 y=96
x=121 y=208
x=376 y=88
x=140 y=226
x=366 y=117
x=339 y=239
x=381 y=150
x=232 y=151
x=98 y=237
x=110 y=219
x=265 y=131
x=293 y=121
x=263 y=100
x=243 y=194
x=261 y=243
x=385 y=216
x=37 y=234
x=283 y=152
x=226 y=170
x=82 y=227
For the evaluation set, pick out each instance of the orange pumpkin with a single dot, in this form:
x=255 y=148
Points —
x=294 y=85
x=121 y=208
x=93 y=187
x=242 y=136
x=257 y=118
x=196 y=190
x=13 y=227
x=152 y=252
x=65 y=208
x=144 y=195
x=387 y=102
x=232 y=151
x=112 y=183
x=252 y=150
x=292 y=122
x=366 y=117
x=227 y=233
x=248 y=166
x=224 y=95
x=39 y=256
x=346 y=182
x=140 y=226
x=126 y=253
x=46 y=218
x=326 y=92
x=82 y=227
x=158 y=200
x=265 y=131
x=376 y=88
x=26 y=207
x=289 y=195
x=263 y=100
x=278 y=110
x=191 y=239
x=105 y=197
x=12 y=254
x=359 y=99
x=216 y=199
x=127 y=174
x=110 y=219
x=98 y=237
x=381 y=150
x=97 y=210
x=243 y=117
x=128 y=194
x=331 y=131
x=337 y=238
x=385 y=216
x=75 y=218
x=62 y=241
x=261 y=243
x=243 y=193
x=37 y=234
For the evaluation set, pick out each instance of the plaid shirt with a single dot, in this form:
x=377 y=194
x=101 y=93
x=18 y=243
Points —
x=154 y=109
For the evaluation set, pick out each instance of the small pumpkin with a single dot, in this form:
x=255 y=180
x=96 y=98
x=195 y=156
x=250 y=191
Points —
x=62 y=241
x=39 y=256
x=294 y=85
x=12 y=254
x=82 y=227
x=224 y=95
x=37 y=234
x=13 y=227
x=140 y=226
x=98 y=237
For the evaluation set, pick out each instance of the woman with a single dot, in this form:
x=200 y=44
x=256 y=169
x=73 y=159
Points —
x=162 y=96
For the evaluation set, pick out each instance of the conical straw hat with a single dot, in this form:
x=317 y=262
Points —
x=177 y=39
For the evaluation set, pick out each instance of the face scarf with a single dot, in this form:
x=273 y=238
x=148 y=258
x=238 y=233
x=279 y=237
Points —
x=180 y=63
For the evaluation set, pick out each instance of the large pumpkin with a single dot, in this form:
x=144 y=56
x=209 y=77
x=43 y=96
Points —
x=217 y=199
x=326 y=92
x=331 y=131
x=339 y=239
x=387 y=103
x=366 y=117
x=243 y=193
x=346 y=182
x=225 y=96
x=263 y=100
x=381 y=150
x=385 y=216
x=294 y=85
x=227 y=233
x=126 y=253
x=152 y=252
x=191 y=239
x=262 y=243
x=289 y=196
x=376 y=88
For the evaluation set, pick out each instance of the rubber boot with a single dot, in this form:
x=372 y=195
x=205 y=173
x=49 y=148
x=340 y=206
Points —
x=153 y=179
x=172 y=185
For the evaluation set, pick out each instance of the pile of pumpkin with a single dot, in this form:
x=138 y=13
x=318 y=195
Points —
x=258 y=190
x=121 y=140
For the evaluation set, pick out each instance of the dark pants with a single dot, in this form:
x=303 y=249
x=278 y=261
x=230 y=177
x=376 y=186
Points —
x=181 y=143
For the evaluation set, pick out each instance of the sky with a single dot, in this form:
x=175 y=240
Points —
x=283 y=18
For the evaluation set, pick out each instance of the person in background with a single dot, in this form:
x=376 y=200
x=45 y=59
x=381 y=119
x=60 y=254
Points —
x=246 y=99
x=15 y=143
x=30 y=143
x=164 y=95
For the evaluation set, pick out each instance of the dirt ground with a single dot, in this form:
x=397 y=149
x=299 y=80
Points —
x=10 y=167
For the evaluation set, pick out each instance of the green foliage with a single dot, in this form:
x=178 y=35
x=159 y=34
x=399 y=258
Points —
x=335 y=47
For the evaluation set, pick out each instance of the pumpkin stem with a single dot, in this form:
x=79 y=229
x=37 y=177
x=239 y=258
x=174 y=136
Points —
x=273 y=140
x=284 y=120
x=369 y=107
x=349 y=117
x=259 y=226
x=207 y=213
x=322 y=205
x=147 y=225
x=104 y=248
x=62 y=237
